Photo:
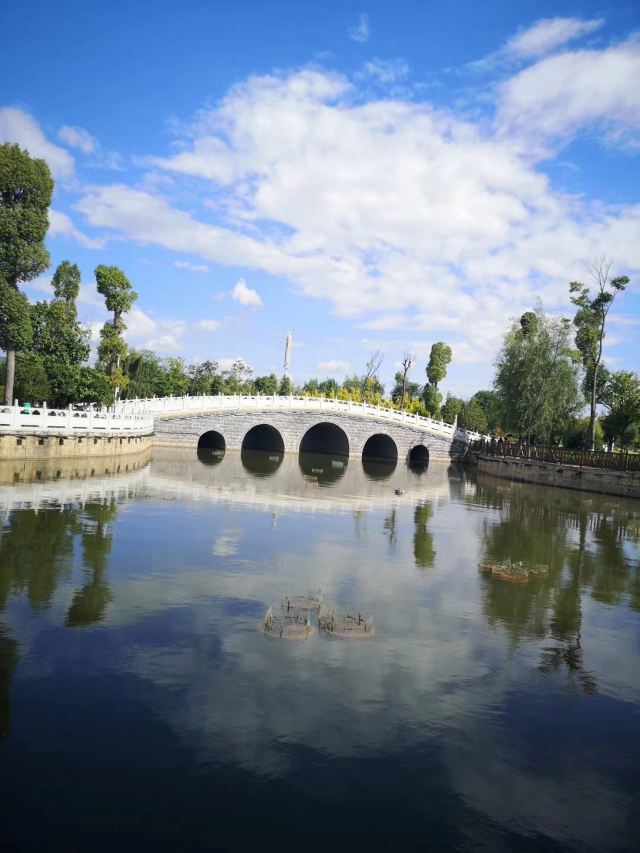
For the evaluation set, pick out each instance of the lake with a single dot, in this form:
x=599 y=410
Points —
x=143 y=707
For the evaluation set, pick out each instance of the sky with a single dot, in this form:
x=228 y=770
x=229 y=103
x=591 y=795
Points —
x=369 y=175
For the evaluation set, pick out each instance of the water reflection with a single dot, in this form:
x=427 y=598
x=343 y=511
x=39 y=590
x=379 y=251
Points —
x=261 y=463
x=210 y=456
x=322 y=468
x=379 y=469
x=461 y=696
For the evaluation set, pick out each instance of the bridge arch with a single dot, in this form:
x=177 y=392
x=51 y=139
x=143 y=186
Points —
x=263 y=437
x=419 y=456
x=325 y=437
x=381 y=448
x=212 y=440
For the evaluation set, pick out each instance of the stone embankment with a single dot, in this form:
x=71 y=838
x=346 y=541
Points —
x=64 y=446
x=606 y=482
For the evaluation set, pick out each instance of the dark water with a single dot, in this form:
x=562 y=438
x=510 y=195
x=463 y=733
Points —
x=140 y=707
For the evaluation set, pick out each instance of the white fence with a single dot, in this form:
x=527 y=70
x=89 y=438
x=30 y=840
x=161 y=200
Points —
x=43 y=419
x=167 y=406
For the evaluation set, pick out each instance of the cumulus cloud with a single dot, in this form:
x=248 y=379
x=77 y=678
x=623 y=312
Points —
x=385 y=70
x=208 y=325
x=334 y=366
x=246 y=295
x=548 y=34
x=20 y=127
x=77 y=137
x=187 y=265
x=391 y=209
x=557 y=96
x=60 y=225
x=360 y=30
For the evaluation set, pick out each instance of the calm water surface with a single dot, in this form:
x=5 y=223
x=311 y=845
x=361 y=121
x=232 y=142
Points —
x=140 y=707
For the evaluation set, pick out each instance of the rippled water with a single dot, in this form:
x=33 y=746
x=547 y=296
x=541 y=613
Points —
x=141 y=708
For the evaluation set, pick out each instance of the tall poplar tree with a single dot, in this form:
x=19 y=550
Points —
x=590 y=321
x=26 y=187
x=119 y=296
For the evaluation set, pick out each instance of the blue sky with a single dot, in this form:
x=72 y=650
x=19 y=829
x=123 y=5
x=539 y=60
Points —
x=372 y=176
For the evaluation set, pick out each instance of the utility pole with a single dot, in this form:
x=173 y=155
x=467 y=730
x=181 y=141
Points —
x=287 y=353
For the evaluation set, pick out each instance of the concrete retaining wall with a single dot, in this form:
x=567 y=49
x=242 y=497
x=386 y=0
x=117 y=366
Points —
x=46 y=446
x=233 y=426
x=626 y=484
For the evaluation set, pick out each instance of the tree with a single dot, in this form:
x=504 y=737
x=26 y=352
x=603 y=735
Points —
x=26 y=187
x=201 y=377
x=145 y=375
x=93 y=386
x=439 y=359
x=58 y=338
x=432 y=400
x=490 y=404
x=15 y=331
x=472 y=417
x=411 y=389
x=285 y=389
x=407 y=362
x=590 y=321
x=119 y=296
x=622 y=399
x=537 y=377
x=452 y=408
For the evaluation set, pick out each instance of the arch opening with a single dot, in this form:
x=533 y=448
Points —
x=419 y=456
x=325 y=438
x=211 y=447
x=381 y=448
x=263 y=437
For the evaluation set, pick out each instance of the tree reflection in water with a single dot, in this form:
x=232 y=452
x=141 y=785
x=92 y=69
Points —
x=582 y=540
x=423 y=551
x=89 y=603
x=8 y=659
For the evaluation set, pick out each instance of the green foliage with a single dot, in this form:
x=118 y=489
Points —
x=266 y=384
x=285 y=389
x=432 y=400
x=590 y=321
x=93 y=387
x=111 y=349
x=621 y=396
x=145 y=373
x=116 y=288
x=490 y=404
x=26 y=187
x=451 y=408
x=577 y=433
x=32 y=381
x=472 y=417
x=536 y=379
x=66 y=282
x=15 y=319
x=201 y=378
x=412 y=389
x=439 y=359
x=176 y=381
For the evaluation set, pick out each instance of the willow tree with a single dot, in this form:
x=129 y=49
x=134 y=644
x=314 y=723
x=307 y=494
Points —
x=26 y=187
x=537 y=377
x=590 y=321
x=119 y=296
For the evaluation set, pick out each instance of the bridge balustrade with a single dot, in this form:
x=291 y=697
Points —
x=51 y=420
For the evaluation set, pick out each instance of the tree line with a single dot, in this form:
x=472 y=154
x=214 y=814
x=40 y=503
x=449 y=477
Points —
x=548 y=369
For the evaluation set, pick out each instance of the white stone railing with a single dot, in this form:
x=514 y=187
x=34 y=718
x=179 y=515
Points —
x=168 y=406
x=44 y=419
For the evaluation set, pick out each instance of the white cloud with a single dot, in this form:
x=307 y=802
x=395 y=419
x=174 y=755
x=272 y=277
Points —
x=561 y=94
x=165 y=344
x=78 y=137
x=360 y=31
x=60 y=225
x=139 y=324
x=385 y=70
x=208 y=325
x=227 y=363
x=334 y=366
x=548 y=34
x=18 y=126
x=389 y=209
x=187 y=265
x=246 y=295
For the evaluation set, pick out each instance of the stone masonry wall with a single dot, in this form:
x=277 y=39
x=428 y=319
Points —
x=605 y=482
x=47 y=446
x=185 y=430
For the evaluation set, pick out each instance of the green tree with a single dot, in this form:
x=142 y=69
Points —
x=432 y=399
x=439 y=360
x=201 y=377
x=174 y=381
x=58 y=338
x=285 y=388
x=119 y=297
x=26 y=187
x=472 y=417
x=145 y=374
x=93 y=386
x=622 y=399
x=537 y=377
x=451 y=408
x=411 y=390
x=489 y=402
x=590 y=321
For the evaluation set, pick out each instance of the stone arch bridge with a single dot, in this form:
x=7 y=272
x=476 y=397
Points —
x=298 y=424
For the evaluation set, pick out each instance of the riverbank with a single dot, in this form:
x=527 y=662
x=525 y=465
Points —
x=47 y=447
x=605 y=482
